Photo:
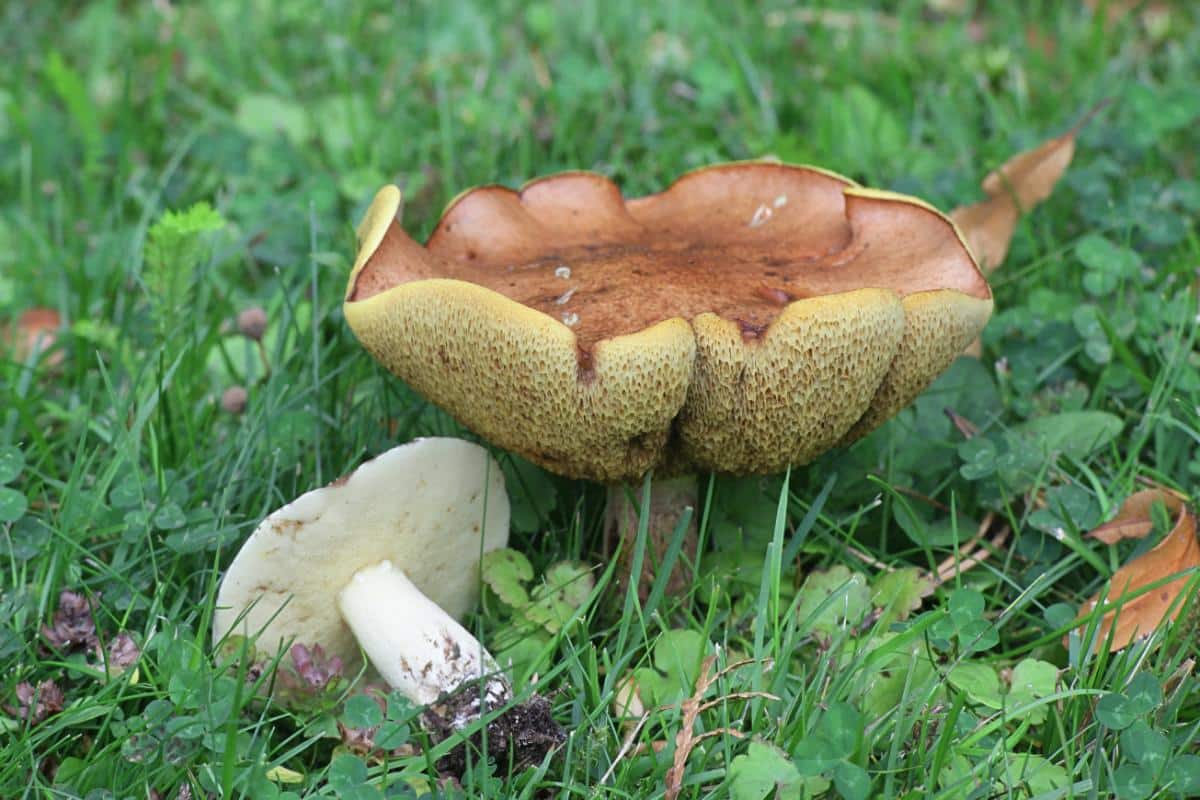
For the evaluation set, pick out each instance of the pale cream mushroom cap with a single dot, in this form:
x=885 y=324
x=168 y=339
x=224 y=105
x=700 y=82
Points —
x=432 y=507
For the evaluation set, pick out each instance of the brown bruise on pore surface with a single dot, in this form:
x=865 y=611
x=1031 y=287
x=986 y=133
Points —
x=742 y=241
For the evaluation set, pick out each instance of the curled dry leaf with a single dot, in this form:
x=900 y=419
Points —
x=1015 y=188
x=1133 y=519
x=33 y=333
x=1135 y=610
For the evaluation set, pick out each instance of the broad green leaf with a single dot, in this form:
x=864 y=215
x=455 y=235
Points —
x=572 y=580
x=841 y=725
x=1183 y=775
x=1144 y=693
x=761 y=770
x=1144 y=745
x=1133 y=782
x=265 y=116
x=1038 y=775
x=833 y=599
x=525 y=652
x=1032 y=680
x=505 y=571
x=1101 y=255
x=927 y=527
x=12 y=504
x=361 y=712
x=1073 y=434
x=12 y=461
x=1114 y=711
x=815 y=755
x=980 y=683
x=852 y=781
x=677 y=655
x=565 y=587
x=899 y=593
x=905 y=667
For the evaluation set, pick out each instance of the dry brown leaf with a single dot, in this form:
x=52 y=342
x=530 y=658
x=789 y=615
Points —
x=1017 y=186
x=1133 y=518
x=33 y=332
x=1014 y=189
x=964 y=426
x=1136 y=611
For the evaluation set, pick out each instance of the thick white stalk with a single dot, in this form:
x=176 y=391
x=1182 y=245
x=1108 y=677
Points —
x=417 y=647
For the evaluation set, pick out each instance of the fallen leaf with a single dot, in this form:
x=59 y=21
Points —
x=1015 y=188
x=33 y=333
x=963 y=425
x=1136 y=611
x=1133 y=518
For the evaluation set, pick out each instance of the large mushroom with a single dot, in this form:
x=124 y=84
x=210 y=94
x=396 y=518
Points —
x=386 y=562
x=748 y=318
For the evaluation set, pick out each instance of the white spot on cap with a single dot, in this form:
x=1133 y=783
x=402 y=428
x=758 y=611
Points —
x=562 y=271
x=761 y=215
x=781 y=201
x=565 y=296
x=570 y=319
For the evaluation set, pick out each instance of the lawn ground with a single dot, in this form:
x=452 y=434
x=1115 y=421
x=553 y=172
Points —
x=125 y=478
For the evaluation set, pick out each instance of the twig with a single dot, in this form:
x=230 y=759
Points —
x=969 y=555
x=692 y=707
x=868 y=559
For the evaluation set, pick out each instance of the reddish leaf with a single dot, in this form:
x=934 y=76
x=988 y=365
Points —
x=1015 y=188
x=1133 y=518
x=1135 y=610
x=34 y=332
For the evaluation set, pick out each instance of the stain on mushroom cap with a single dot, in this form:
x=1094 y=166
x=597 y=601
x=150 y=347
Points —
x=751 y=316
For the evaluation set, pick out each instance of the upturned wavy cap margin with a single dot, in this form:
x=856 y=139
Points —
x=751 y=316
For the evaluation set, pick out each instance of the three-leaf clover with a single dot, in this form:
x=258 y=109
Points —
x=13 y=502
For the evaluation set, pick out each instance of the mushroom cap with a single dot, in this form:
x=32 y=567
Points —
x=432 y=507
x=750 y=317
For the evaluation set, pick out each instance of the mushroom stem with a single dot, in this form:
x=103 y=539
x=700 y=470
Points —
x=417 y=647
x=669 y=498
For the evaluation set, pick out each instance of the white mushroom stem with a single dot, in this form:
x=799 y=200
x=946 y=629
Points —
x=417 y=647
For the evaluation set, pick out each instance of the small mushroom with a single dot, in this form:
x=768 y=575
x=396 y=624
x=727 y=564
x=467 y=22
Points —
x=748 y=318
x=385 y=561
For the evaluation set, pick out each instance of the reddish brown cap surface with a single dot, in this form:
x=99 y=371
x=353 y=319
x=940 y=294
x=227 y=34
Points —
x=751 y=316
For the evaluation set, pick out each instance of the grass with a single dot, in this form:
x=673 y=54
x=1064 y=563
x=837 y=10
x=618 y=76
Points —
x=135 y=487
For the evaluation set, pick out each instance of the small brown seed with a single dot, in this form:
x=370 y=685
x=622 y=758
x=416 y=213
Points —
x=252 y=323
x=234 y=399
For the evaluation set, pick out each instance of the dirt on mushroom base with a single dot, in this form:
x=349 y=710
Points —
x=519 y=737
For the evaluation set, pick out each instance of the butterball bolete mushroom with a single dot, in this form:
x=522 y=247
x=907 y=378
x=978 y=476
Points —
x=386 y=562
x=748 y=318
